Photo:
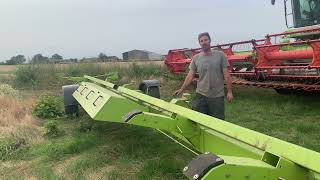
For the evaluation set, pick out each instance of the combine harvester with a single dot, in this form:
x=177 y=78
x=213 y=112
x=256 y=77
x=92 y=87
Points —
x=223 y=151
x=287 y=62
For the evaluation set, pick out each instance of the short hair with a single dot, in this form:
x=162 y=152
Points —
x=204 y=34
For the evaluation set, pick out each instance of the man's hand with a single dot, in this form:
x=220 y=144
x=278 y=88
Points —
x=186 y=83
x=229 y=97
x=178 y=92
x=228 y=80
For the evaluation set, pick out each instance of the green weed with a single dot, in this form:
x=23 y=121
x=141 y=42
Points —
x=49 y=107
x=10 y=146
x=51 y=129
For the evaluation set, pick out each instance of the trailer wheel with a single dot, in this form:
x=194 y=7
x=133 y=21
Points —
x=71 y=105
x=154 y=92
x=71 y=109
x=150 y=87
x=284 y=91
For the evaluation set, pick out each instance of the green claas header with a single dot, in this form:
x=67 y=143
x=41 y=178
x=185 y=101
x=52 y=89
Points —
x=222 y=150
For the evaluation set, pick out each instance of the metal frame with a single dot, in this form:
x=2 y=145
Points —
x=246 y=154
x=265 y=60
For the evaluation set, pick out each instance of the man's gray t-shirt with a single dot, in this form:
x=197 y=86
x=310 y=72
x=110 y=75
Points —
x=210 y=70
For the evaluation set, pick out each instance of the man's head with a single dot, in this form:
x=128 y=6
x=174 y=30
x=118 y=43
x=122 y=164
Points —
x=204 y=41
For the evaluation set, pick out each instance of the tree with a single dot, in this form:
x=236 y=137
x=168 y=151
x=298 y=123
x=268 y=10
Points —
x=19 y=59
x=56 y=56
x=102 y=57
x=38 y=58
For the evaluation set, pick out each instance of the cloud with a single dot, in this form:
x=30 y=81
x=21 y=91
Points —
x=87 y=27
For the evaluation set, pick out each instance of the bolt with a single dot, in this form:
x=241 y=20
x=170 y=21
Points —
x=195 y=176
x=185 y=168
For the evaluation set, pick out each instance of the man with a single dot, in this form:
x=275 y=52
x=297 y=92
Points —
x=212 y=67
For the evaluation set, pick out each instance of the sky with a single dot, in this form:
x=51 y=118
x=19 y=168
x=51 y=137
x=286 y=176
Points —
x=84 y=28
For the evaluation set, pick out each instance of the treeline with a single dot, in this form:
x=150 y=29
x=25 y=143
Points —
x=56 y=58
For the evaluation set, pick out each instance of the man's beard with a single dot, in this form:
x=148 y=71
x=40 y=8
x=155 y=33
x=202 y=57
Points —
x=206 y=47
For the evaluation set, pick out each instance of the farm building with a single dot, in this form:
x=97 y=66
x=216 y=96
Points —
x=141 y=55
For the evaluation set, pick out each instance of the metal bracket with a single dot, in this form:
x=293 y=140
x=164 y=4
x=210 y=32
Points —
x=130 y=115
x=201 y=164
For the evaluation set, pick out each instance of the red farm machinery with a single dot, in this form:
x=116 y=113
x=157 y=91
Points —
x=287 y=62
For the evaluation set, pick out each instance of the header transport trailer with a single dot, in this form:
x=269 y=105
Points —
x=222 y=150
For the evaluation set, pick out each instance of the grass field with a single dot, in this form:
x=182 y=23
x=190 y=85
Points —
x=117 y=151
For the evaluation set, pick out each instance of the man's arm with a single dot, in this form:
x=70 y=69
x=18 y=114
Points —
x=186 y=83
x=228 y=81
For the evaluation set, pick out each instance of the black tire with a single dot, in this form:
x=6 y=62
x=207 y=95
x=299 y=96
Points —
x=284 y=91
x=70 y=103
x=72 y=109
x=150 y=87
x=154 y=92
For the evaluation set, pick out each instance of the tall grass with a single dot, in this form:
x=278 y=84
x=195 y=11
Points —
x=36 y=76
x=17 y=126
x=49 y=76
x=16 y=119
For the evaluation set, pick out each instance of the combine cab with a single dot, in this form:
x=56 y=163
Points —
x=287 y=62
